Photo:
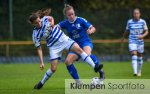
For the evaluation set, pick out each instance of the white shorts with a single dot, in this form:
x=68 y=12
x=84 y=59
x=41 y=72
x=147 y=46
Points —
x=56 y=51
x=136 y=47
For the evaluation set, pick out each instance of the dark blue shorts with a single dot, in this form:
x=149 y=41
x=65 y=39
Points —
x=82 y=45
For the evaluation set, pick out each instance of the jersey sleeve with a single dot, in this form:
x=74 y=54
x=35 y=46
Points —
x=35 y=39
x=86 y=24
x=145 y=26
x=62 y=24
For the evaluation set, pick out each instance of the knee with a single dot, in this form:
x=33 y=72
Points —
x=133 y=53
x=54 y=68
x=88 y=52
x=68 y=62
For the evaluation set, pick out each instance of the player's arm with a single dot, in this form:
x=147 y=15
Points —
x=36 y=42
x=51 y=19
x=125 y=34
x=62 y=24
x=40 y=54
x=91 y=30
x=145 y=32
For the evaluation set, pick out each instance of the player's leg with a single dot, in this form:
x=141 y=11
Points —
x=50 y=71
x=134 y=62
x=140 y=59
x=96 y=61
x=71 y=68
x=47 y=75
x=75 y=48
x=55 y=55
x=140 y=63
x=133 y=50
x=88 y=50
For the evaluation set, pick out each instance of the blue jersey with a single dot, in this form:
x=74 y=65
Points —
x=46 y=32
x=77 y=30
x=136 y=28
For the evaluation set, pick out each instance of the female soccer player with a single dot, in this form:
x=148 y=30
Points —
x=78 y=29
x=137 y=30
x=56 y=40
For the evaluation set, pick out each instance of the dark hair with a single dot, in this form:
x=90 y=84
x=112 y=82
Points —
x=33 y=17
x=44 y=12
x=40 y=13
x=66 y=8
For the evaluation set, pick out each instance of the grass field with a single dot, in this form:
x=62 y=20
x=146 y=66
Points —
x=20 y=78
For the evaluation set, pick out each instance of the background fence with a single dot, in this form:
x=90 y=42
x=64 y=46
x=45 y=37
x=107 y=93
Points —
x=109 y=17
x=106 y=50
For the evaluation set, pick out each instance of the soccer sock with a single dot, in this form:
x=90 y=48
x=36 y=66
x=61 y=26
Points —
x=94 y=58
x=102 y=75
x=47 y=75
x=73 y=72
x=140 y=63
x=134 y=64
x=96 y=61
x=87 y=59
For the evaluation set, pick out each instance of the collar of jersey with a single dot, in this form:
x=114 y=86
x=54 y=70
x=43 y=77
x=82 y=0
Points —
x=73 y=21
x=137 y=20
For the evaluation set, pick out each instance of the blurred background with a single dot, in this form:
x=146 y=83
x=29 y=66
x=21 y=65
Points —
x=108 y=16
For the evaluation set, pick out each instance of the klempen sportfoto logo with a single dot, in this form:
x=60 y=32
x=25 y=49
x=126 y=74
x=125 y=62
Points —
x=86 y=86
x=108 y=86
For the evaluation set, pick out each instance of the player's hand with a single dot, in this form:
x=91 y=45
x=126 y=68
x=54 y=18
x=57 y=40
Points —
x=89 y=31
x=140 y=37
x=42 y=66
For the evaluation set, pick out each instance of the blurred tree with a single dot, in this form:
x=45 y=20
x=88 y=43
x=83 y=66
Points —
x=108 y=16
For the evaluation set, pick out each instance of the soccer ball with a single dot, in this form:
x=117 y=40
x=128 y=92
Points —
x=96 y=81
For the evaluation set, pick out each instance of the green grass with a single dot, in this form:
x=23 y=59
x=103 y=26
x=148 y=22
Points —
x=20 y=78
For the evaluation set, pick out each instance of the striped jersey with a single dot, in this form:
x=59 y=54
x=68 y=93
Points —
x=136 y=28
x=46 y=32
